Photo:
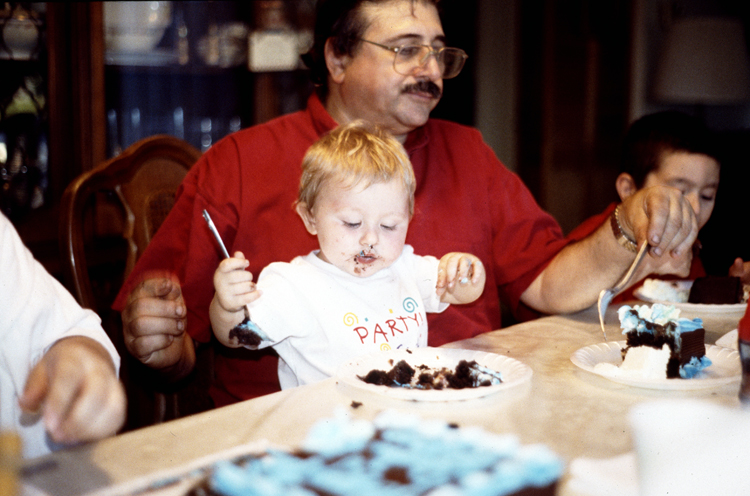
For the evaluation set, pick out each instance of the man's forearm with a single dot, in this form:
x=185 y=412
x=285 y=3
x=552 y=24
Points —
x=575 y=277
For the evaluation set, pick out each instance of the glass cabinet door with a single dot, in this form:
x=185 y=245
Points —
x=23 y=108
x=201 y=70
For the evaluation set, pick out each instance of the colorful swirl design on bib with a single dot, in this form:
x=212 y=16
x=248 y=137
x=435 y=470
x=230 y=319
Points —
x=410 y=304
x=350 y=319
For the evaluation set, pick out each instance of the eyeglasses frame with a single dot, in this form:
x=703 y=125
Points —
x=432 y=51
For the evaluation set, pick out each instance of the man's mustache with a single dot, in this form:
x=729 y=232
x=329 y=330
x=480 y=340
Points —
x=424 y=87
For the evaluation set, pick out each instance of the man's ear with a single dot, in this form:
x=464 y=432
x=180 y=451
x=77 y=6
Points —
x=336 y=64
x=307 y=217
x=625 y=185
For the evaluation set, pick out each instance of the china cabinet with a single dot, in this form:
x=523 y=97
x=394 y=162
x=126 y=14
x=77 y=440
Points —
x=200 y=70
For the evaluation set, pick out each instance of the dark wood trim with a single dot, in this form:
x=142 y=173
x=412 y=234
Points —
x=76 y=89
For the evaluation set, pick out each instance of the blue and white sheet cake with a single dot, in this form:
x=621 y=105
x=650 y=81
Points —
x=396 y=455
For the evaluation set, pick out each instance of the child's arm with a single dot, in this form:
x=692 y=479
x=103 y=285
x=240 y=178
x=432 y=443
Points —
x=234 y=289
x=461 y=278
x=740 y=269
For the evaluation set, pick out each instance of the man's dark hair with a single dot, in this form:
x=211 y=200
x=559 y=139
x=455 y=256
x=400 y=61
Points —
x=342 y=22
x=653 y=135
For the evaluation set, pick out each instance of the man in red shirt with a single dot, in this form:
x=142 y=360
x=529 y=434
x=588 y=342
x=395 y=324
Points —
x=383 y=61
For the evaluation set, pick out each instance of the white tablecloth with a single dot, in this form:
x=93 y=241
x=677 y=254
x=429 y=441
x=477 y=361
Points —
x=577 y=414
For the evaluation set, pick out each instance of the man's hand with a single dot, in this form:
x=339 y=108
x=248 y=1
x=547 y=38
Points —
x=154 y=326
x=574 y=278
x=76 y=388
x=662 y=216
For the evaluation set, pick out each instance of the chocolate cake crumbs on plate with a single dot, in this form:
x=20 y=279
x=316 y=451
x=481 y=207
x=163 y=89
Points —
x=467 y=374
x=431 y=374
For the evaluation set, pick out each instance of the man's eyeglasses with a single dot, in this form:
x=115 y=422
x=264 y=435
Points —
x=410 y=57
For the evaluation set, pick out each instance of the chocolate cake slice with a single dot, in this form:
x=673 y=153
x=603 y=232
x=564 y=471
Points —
x=716 y=290
x=659 y=325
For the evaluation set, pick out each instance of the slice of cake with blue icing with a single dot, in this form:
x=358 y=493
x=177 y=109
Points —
x=395 y=455
x=660 y=326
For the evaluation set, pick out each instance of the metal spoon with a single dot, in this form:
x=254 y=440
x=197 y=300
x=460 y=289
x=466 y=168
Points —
x=212 y=227
x=215 y=232
x=605 y=297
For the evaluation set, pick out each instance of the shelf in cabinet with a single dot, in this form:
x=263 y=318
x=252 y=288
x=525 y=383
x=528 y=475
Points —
x=190 y=69
x=154 y=58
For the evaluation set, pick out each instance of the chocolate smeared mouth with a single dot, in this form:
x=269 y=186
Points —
x=365 y=257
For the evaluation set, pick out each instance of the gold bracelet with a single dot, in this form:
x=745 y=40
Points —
x=623 y=239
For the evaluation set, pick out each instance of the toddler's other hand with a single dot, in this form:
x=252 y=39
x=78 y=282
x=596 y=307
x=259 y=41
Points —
x=459 y=268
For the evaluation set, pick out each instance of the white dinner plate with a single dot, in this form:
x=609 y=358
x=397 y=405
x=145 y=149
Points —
x=724 y=368
x=512 y=372
x=729 y=340
x=696 y=309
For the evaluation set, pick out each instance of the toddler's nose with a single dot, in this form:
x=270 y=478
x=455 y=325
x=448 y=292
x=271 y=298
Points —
x=368 y=239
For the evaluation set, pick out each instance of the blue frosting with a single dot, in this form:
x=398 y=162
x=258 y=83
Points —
x=636 y=319
x=339 y=436
x=480 y=373
x=695 y=365
x=252 y=480
x=688 y=325
x=630 y=321
x=434 y=457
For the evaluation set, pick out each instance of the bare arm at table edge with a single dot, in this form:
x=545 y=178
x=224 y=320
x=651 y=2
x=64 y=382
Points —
x=575 y=277
x=154 y=322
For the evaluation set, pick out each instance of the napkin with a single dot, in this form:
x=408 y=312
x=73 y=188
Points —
x=615 y=476
x=688 y=446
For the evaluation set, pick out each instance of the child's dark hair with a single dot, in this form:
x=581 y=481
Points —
x=654 y=135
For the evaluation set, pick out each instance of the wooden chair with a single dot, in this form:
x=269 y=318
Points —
x=134 y=192
x=144 y=177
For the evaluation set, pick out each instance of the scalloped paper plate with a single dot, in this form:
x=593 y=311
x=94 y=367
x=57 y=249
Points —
x=512 y=372
x=729 y=340
x=737 y=309
x=725 y=368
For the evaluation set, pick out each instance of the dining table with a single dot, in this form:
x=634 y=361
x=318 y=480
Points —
x=574 y=412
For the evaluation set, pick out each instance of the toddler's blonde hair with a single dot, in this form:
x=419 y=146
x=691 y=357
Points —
x=351 y=154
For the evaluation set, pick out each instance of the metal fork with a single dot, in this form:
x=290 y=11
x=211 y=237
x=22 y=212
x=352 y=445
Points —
x=605 y=297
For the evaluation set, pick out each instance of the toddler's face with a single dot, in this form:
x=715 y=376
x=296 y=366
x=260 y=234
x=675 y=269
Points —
x=361 y=230
x=695 y=174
